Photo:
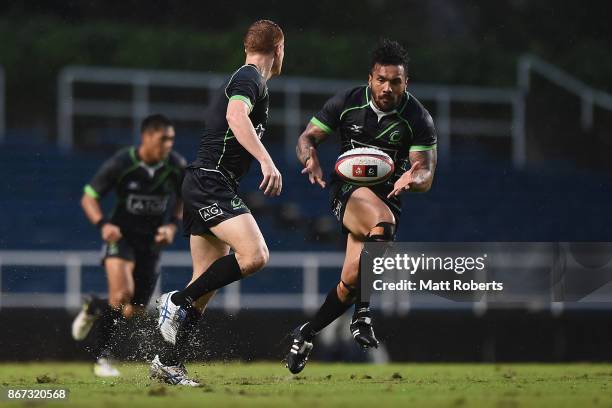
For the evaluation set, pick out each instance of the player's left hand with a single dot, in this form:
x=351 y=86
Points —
x=165 y=234
x=403 y=183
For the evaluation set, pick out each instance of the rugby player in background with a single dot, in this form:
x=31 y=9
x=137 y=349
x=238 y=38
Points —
x=215 y=217
x=146 y=180
x=382 y=115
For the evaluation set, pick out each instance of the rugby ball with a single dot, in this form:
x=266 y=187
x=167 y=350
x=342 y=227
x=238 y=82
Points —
x=364 y=166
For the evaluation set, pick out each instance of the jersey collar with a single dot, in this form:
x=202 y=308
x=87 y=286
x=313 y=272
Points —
x=381 y=114
x=256 y=69
x=150 y=168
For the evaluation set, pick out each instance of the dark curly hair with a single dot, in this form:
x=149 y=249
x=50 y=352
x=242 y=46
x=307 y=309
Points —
x=389 y=52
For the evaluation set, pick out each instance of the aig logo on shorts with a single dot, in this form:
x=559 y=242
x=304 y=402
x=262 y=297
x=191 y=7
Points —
x=210 y=212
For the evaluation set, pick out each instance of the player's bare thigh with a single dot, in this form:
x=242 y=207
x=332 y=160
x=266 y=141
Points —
x=364 y=210
x=119 y=273
x=242 y=234
x=205 y=249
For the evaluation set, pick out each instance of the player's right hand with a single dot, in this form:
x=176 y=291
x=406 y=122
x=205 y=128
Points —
x=272 y=182
x=110 y=232
x=313 y=168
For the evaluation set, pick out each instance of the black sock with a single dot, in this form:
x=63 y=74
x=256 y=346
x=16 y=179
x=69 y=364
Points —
x=365 y=277
x=376 y=245
x=329 y=311
x=222 y=272
x=364 y=291
x=107 y=325
x=176 y=354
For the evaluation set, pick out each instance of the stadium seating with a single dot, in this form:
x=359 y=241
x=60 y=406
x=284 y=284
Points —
x=40 y=202
x=476 y=196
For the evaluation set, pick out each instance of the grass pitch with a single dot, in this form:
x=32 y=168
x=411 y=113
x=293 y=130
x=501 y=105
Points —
x=324 y=385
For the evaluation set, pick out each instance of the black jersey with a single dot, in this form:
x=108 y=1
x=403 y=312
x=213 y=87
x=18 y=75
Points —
x=360 y=124
x=144 y=191
x=219 y=150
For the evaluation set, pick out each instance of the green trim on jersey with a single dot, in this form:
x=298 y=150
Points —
x=358 y=107
x=91 y=192
x=399 y=114
x=243 y=99
x=391 y=126
x=232 y=77
x=321 y=125
x=162 y=178
x=225 y=139
x=419 y=148
x=133 y=167
x=228 y=133
x=405 y=103
x=133 y=155
x=407 y=124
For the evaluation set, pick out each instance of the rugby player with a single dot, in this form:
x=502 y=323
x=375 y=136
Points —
x=146 y=180
x=382 y=115
x=215 y=216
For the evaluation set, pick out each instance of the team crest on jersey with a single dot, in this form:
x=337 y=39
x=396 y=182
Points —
x=395 y=137
x=356 y=129
x=210 y=212
x=133 y=185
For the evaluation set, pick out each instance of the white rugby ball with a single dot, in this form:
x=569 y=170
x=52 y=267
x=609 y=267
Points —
x=364 y=166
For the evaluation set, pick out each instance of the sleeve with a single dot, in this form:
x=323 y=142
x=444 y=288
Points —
x=328 y=118
x=243 y=86
x=425 y=136
x=105 y=178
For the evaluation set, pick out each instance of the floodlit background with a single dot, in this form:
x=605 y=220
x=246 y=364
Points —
x=520 y=92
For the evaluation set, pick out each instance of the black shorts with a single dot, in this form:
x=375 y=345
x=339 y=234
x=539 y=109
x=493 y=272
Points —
x=145 y=256
x=209 y=197
x=340 y=192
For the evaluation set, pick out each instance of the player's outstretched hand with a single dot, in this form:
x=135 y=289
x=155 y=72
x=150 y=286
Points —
x=110 y=232
x=165 y=234
x=313 y=168
x=403 y=183
x=272 y=183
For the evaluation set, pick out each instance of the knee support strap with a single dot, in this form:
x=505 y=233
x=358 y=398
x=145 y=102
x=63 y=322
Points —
x=382 y=232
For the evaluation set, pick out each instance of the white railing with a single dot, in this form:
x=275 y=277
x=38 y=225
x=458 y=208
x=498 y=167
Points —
x=589 y=96
x=231 y=298
x=290 y=114
x=308 y=264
